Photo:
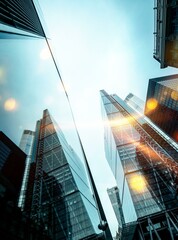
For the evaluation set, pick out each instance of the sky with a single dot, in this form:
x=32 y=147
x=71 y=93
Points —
x=98 y=44
x=102 y=44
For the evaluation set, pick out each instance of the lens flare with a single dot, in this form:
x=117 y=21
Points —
x=152 y=104
x=45 y=54
x=10 y=104
x=137 y=183
x=174 y=95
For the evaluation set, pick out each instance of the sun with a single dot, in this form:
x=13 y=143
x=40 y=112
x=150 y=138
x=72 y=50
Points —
x=10 y=104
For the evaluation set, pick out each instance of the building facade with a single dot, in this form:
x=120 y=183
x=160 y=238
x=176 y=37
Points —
x=12 y=165
x=19 y=19
x=166 y=33
x=162 y=104
x=145 y=172
x=26 y=145
x=61 y=198
x=114 y=197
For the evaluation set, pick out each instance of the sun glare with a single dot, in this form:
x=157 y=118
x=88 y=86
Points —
x=138 y=183
x=10 y=104
x=151 y=104
x=45 y=54
x=174 y=95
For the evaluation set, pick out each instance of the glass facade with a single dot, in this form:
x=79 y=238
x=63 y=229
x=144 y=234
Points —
x=166 y=32
x=113 y=194
x=146 y=184
x=30 y=81
x=12 y=164
x=61 y=192
x=164 y=91
x=26 y=144
x=20 y=15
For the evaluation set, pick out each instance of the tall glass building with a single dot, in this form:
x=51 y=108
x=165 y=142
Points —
x=162 y=97
x=26 y=144
x=166 y=32
x=12 y=165
x=61 y=199
x=114 y=197
x=19 y=19
x=145 y=172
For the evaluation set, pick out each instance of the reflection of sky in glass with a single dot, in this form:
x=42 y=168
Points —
x=29 y=84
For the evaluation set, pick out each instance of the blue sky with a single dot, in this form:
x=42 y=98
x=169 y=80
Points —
x=99 y=44
x=102 y=44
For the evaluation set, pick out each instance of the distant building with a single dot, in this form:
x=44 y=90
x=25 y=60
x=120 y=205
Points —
x=60 y=194
x=113 y=194
x=166 y=33
x=12 y=165
x=135 y=102
x=145 y=167
x=14 y=224
x=162 y=104
x=114 y=197
x=26 y=144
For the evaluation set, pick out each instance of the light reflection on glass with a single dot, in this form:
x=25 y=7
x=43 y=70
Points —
x=45 y=54
x=174 y=95
x=138 y=183
x=151 y=104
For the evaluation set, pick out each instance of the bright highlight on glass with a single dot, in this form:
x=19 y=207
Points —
x=151 y=104
x=137 y=183
x=10 y=104
x=174 y=95
x=45 y=54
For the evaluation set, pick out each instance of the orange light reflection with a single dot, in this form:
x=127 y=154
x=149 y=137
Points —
x=138 y=183
x=151 y=104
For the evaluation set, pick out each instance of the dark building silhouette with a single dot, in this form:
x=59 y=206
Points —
x=14 y=224
x=162 y=104
x=166 y=33
x=12 y=165
x=19 y=18
x=144 y=163
x=58 y=194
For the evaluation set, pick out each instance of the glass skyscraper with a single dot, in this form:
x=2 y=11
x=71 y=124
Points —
x=25 y=145
x=145 y=172
x=12 y=164
x=166 y=32
x=113 y=194
x=61 y=197
x=162 y=104
x=19 y=18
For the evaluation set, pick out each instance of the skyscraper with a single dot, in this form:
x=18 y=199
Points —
x=135 y=102
x=145 y=172
x=19 y=18
x=114 y=197
x=162 y=104
x=166 y=33
x=61 y=199
x=12 y=165
x=26 y=145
